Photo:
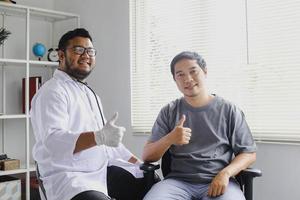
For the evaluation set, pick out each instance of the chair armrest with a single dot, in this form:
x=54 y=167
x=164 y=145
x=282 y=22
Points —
x=245 y=179
x=149 y=167
x=149 y=173
x=251 y=172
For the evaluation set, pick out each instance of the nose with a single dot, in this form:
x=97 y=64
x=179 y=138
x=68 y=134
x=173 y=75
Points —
x=188 y=78
x=85 y=54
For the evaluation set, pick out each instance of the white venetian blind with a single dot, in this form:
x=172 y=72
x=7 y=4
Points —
x=162 y=29
x=273 y=109
x=252 y=50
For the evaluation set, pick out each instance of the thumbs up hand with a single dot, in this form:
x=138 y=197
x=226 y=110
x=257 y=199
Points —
x=181 y=135
x=110 y=134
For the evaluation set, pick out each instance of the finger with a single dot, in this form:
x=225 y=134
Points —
x=181 y=121
x=188 y=130
x=113 y=119
x=187 y=138
x=186 y=133
x=219 y=191
x=223 y=190
x=209 y=191
x=214 y=192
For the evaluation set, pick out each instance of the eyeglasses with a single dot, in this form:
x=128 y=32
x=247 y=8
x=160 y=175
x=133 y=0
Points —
x=81 y=50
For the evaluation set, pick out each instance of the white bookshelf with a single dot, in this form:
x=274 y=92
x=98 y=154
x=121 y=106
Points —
x=28 y=24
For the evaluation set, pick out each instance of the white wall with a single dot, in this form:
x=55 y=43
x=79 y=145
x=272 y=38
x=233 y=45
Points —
x=108 y=22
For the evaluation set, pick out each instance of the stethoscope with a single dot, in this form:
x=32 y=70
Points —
x=98 y=104
x=100 y=110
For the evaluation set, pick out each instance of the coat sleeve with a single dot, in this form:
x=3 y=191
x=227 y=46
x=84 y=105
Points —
x=49 y=117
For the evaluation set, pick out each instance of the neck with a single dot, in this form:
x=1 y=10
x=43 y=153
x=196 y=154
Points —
x=199 y=100
x=72 y=77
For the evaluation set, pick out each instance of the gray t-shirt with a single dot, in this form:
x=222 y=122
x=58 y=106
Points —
x=219 y=131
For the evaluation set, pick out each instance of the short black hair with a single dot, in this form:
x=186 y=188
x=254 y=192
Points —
x=187 y=55
x=78 y=32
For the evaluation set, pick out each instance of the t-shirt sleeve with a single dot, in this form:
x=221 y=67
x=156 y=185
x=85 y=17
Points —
x=161 y=126
x=241 y=137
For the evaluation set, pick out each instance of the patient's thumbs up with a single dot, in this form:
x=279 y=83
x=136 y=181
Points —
x=181 y=121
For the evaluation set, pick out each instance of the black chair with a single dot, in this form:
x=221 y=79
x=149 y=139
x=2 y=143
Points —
x=121 y=184
x=245 y=177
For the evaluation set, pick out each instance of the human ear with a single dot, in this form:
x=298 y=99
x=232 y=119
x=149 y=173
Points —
x=61 y=55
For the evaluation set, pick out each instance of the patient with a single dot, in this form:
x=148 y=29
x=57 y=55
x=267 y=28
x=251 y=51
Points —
x=203 y=133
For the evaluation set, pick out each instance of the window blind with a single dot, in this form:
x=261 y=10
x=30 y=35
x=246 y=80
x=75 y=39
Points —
x=162 y=29
x=251 y=52
x=274 y=47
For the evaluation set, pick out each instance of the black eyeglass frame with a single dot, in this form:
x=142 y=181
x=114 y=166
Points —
x=79 y=50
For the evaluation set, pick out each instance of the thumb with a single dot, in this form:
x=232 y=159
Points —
x=181 y=121
x=113 y=119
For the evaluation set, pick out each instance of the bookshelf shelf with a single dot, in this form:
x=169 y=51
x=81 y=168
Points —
x=7 y=61
x=12 y=172
x=28 y=25
x=18 y=116
x=43 y=63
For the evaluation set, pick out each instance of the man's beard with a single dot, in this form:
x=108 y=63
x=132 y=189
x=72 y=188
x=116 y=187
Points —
x=76 y=73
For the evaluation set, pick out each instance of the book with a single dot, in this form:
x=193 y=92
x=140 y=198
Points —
x=35 y=83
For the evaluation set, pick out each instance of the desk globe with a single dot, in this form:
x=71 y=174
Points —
x=39 y=50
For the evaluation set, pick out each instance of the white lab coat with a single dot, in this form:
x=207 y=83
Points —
x=60 y=111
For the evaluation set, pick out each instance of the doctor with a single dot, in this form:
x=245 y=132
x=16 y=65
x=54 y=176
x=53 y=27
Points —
x=74 y=143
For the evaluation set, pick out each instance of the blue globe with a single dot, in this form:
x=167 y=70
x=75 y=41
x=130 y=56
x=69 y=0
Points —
x=39 y=50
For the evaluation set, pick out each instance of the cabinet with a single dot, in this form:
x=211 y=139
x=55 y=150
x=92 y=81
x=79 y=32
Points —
x=28 y=25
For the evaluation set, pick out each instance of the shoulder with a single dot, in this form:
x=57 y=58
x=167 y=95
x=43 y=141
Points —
x=53 y=88
x=171 y=107
x=228 y=108
x=220 y=101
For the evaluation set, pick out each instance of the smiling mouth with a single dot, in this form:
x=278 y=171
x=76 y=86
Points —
x=190 y=87
x=84 y=63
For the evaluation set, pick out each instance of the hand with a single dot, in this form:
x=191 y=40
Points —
x=218 y=184
x=110 y=134
x=181 y=135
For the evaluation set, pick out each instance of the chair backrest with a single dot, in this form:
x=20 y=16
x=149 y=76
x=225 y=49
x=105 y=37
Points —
x=166 y=163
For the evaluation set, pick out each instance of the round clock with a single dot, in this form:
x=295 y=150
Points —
x=53 y=55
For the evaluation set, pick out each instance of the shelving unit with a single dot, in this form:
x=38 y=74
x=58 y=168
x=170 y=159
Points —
x=27 y=25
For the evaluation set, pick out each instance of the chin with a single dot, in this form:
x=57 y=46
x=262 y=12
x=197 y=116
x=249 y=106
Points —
x=191 y=94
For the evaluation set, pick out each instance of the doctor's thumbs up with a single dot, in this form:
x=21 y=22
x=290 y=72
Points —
x=181 y=135
x=110 y=134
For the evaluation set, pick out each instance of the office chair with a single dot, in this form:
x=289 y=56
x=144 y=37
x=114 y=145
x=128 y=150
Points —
x=244 y=178
x=121 y=184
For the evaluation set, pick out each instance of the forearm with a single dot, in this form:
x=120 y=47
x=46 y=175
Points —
x=134 y=160
x=85 y=140
x=154 y=151
x=239 y=163
x=180 y=135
